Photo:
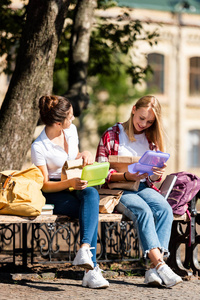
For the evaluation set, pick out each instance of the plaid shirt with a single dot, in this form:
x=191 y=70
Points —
x=109 y=145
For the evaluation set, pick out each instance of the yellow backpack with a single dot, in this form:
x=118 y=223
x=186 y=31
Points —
x=20 y=192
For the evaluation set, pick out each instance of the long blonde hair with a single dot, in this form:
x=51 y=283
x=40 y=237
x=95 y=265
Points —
x=155 y=132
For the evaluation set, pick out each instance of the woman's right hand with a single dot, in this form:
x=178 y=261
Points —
x=135 y=176
x=77 y=184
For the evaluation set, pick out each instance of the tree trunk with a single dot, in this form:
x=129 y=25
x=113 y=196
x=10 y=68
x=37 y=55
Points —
x=79 y=54
x=33 y=77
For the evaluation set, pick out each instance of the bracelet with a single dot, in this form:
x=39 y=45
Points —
x=152 y=181
x=125 y=176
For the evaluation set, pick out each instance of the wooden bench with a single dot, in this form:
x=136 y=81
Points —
x=180 y=236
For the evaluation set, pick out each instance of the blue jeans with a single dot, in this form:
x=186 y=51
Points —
x=152 y=216
x=83 y=205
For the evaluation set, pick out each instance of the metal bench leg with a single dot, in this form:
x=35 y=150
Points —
x=24 y=242
x=32 y=242
x=195 y=249
x=103 y=239
x=14 y=249
x=177 y=238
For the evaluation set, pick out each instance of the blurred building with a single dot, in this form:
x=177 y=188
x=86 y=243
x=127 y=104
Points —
x=176 y=79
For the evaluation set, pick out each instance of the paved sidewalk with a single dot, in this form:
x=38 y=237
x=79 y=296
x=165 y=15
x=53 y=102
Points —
x=33 y=287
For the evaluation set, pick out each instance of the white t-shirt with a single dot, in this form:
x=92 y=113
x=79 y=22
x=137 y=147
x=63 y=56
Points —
x=128 y=148
x=45 y=152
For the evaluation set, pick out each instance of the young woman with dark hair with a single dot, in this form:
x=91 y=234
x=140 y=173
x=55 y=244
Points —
x=57 y=143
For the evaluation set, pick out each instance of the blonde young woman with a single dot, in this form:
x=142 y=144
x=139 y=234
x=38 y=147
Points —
x=147 y=208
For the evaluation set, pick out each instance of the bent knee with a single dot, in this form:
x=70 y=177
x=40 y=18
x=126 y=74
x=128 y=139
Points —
x=167 y=207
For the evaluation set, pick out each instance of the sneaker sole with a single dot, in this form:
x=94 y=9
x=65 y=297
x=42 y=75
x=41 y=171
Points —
x=154 y=283
x=96 y=287
x=170 y=285
x=85 y=266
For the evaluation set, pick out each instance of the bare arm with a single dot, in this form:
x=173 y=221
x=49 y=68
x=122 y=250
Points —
x=128 y=176
x=57 y=186
x=158 y=172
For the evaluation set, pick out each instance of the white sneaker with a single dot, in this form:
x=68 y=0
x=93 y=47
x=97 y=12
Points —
x=152 y=278
x=94 y=279
x=168 y=276
x=83 y=258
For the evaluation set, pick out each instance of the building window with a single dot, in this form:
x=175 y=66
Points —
x=155 y=81
x=193 y=160
x=194 y=76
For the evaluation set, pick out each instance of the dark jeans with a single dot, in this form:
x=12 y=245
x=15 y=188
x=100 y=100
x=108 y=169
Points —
x=79 y=204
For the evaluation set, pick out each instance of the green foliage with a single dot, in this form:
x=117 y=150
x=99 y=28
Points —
x=112 y=73
x=60 y=76
x=113 y=44
x=106 y=3
x=107 y=94
x=11 y=25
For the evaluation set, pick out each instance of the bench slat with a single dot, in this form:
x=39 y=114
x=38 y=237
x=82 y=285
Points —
x=8 y=219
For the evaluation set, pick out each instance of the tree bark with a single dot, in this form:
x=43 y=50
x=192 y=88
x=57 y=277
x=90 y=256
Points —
x=79 y=54
x=33 y=77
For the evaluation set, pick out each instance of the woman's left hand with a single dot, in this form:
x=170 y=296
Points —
x=158 y=172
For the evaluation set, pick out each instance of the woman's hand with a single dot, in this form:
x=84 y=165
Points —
x=135 y=176
x=127 y=176
x=77 y=183
x=87 y=158
x=158 y=172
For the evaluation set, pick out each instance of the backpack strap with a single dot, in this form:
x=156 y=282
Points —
x=150 y=183
x=7 y=180
x=190 y=233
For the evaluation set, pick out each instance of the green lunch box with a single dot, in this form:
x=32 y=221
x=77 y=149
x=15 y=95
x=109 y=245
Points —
x=95 y=174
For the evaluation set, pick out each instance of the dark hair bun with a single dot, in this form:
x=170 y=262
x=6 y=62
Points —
x=53 y=109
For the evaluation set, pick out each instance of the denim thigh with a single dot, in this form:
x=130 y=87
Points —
x=65 y=203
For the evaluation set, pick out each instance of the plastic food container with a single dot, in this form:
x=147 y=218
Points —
x=149 y=160
x=95 y=174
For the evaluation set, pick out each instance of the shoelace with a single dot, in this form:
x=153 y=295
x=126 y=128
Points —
x=97 y=271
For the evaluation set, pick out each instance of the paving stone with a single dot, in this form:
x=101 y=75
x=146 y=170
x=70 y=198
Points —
x=120 y=289
x=48 y=276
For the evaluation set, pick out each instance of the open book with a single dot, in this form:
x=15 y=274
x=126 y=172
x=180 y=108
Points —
x=167 y=185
